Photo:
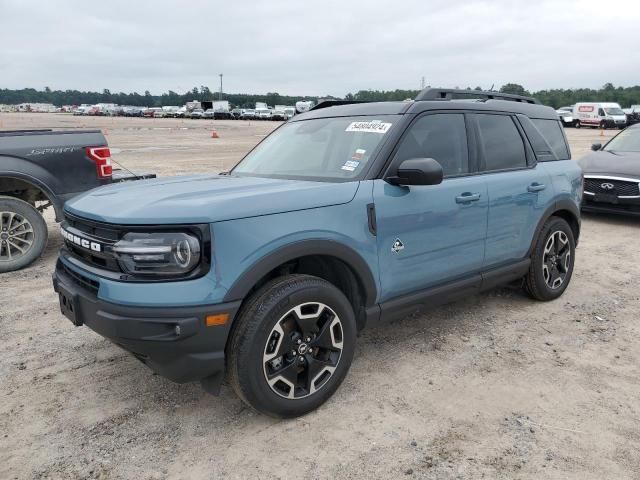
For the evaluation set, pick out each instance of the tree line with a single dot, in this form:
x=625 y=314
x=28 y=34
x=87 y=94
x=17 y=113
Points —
x=625 y=96
x=77 y=97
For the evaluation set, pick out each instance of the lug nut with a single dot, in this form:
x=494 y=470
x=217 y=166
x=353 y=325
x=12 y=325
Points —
x=293 y=352
x=301 y=359
x=299 y=342
x=308 y=339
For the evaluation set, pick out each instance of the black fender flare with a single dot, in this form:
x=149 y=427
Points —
x=56 y=201
x=246 y=281
x=557 y=206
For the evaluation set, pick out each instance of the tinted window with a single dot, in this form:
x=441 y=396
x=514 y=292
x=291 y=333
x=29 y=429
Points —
x=442 y=137
x=552 y=133
x=626 y=141
x=501 y=142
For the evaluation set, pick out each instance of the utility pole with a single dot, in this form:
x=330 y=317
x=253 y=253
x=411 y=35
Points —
x=220 y=96
x=422 y=83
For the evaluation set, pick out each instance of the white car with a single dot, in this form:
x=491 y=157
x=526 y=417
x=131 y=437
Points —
x=566 y=118
x=263 y=114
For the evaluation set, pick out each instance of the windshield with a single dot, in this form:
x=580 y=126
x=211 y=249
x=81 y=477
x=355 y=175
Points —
x=614 y=111
x=324 y=148
x=626 y=141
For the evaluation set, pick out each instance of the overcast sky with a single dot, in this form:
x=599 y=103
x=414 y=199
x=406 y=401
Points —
x=328 y=47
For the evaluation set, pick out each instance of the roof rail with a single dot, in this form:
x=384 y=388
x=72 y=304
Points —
x=333 y=103
x=450 y=93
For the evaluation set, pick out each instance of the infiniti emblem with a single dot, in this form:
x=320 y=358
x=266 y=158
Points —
x=606 y=186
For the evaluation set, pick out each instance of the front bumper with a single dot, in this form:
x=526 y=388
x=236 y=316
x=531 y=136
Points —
x=609 y=123
x=624 y=206
x=173 y=341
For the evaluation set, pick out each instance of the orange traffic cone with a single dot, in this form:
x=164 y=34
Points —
x=214 y=134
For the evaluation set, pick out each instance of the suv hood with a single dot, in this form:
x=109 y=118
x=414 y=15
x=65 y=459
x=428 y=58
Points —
x=204 y=199
x=622 y=164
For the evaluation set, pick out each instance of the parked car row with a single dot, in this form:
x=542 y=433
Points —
x=280 y=113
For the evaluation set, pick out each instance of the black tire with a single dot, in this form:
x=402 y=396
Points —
x=254 y=332
x=603 y=125
x=577 y=124
x=549 y=268
x=23 y=234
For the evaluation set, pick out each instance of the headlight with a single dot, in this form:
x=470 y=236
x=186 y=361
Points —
x=167 y=254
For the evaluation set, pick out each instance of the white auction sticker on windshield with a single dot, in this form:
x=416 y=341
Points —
x=350 y=165
x=372 y=126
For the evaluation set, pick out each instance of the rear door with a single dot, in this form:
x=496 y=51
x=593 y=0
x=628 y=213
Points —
x=431 y=234
x=519 y=190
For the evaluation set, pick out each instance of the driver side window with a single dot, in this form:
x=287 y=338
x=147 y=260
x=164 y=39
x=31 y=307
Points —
x=441 y=136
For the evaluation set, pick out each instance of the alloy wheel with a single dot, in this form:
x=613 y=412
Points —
x=556 y=259
x=16 y=236
x=303 y=350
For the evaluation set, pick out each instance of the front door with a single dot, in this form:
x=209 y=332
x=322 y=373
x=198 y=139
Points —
x=428 y=235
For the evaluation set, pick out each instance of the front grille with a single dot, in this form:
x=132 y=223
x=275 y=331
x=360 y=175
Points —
x=106 y=233
x=621 y=188
x=95 y=231
x=81 y=280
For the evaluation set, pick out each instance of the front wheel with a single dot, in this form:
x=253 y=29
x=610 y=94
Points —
x=552 y=261
x=292 y=346
x=23 y=234
x=577 y=125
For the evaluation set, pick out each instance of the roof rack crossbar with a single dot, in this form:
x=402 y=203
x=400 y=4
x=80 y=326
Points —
x=448 y=94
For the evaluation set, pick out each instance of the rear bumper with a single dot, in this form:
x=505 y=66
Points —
x=174 y=342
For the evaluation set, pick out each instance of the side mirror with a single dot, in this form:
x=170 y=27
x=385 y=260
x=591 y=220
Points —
x=418 y=171
x=596 y=146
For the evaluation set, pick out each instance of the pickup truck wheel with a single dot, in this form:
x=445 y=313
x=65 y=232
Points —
x=552 y=261
x=292 y=346
x=23 y=234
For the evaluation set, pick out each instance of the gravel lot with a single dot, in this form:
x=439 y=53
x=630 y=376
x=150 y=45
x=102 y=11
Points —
x=496 y=386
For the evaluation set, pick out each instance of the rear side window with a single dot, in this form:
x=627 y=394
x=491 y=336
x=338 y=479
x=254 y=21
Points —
x=552 y=133
x=442 y=137
x=501 y=143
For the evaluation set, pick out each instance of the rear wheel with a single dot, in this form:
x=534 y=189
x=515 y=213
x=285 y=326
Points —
x=23 y=234
x=552 y=261
x=577 y=124
x=292 y=346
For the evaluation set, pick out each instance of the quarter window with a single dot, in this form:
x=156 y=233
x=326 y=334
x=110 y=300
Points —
x=552 y=132
x=442 y=137
x=501 y=143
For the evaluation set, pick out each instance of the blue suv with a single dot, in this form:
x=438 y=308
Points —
x=345 y=216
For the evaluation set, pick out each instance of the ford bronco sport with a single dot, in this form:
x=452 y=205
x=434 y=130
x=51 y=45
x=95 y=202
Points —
x=345 y=216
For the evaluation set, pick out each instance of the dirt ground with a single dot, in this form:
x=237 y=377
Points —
x=496 y=386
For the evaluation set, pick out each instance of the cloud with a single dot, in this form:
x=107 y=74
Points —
x=316 y=47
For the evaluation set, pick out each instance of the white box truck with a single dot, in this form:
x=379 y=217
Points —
x=599 y=114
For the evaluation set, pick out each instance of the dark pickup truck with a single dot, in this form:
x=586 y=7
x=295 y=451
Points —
x=41 y=169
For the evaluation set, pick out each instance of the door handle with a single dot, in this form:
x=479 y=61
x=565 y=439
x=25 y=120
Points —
x=468 y=197
x=536 y=187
